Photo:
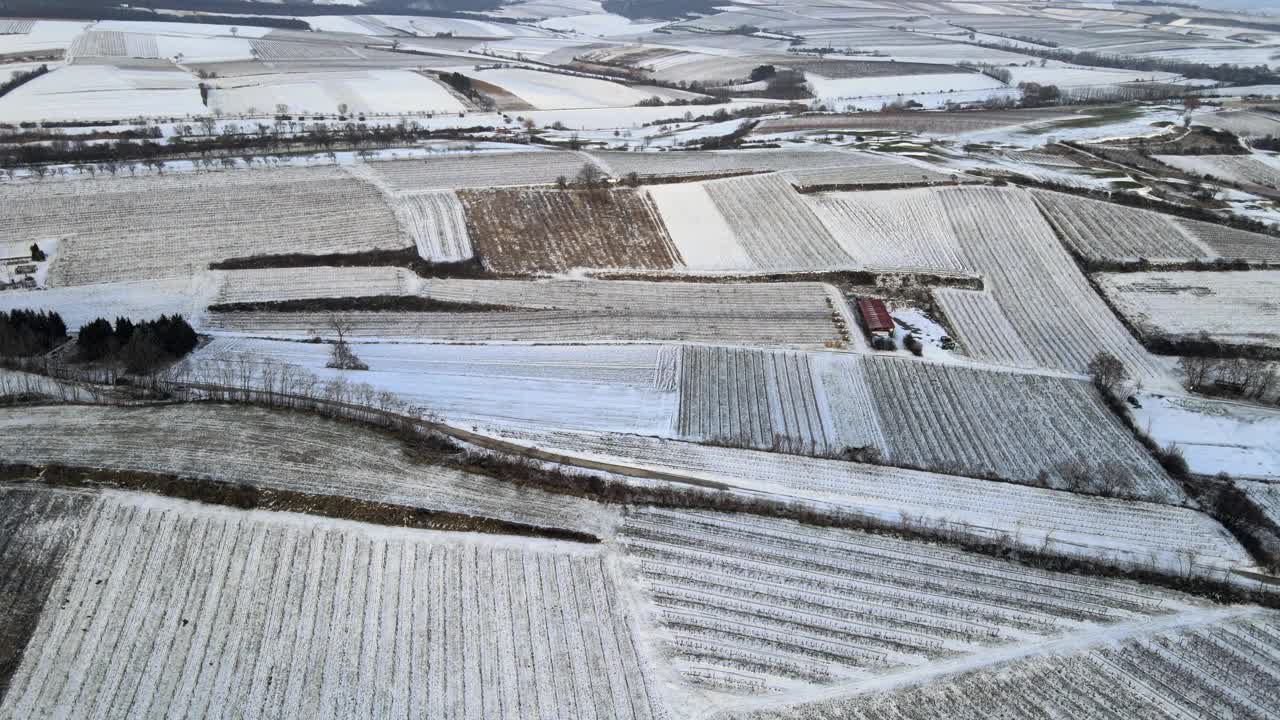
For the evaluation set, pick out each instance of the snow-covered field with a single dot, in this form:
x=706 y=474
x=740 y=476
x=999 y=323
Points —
x=1239 y=308
x=1257 y=169
x=372 y=91
x=1215 y=435
x=104 y=92
x=174 y=607
x=551 y=91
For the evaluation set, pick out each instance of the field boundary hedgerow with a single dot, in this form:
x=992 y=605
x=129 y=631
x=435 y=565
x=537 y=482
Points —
x=405 y=258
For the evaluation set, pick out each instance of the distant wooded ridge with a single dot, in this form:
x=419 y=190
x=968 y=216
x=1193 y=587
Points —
x=237 y=12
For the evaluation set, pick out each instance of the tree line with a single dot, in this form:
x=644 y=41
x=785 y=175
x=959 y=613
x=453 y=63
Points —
x=21 y=78
x=24 y=333
x=141 y=347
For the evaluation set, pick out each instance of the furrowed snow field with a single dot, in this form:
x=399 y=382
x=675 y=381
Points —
x=985 y=332
x=1133 y=534
x=841 y=89
x=562 y=311
x=776 y=229
x=1046 y=299
x=942 y=417
x=477 y=171
x=1232 y=168
x=552 y=231
x=437 y=224
x=1239 y=308
x=40 y=36
x=180 y=609
x=37 y=526
x=275 y=284
x=586 y=388
x=1100 y=230
x=710 y=162
x=1230 y=243
x=1213 y=663
x=1008 y=424
x=760 y=606
x=276 y=451
x=103 y=92
x=891 y=229
x=120 y=229
x=1265 y=495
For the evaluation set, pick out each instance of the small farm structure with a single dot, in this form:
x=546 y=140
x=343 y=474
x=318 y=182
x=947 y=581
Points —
x=877 y=322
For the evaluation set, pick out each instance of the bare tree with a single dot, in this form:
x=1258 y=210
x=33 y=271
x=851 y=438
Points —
x=1107 y=371
x=1196 y=370
x=589 y=176
x=341 y=356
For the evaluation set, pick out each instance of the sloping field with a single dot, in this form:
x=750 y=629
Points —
x=36 y=526
x=915 y=122
x=985 y=333
x=80 y=304
x=1266 y=495
x=888 y=171
x=248 y=286
x=550 y=231
x=481 y=170
x=1008 y=424
x=274 y=450
x=1231 y=243
x=1202 y=664
x=593 y=387
x=104 y=92
x=1241 y=308
x=120 y=229
x=175 y=609
x=774 y=226
x=1045 y=298
x=437 y=224
x=113 y=44
x=1104 y=231
x=700 y=233
x=1232 y=168
x=760 y=606
x=1128 y=533
x=755 y=399
x=905 y=229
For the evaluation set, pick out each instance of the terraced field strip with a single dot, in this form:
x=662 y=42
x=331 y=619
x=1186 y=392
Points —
x=184 y=609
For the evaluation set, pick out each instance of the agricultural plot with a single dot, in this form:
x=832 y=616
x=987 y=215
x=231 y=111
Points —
x=367 y=91
x=1008 y=425
x=1127 y=533
x=985 y=333
x=595 y=387
x=1045 y=298
x=757 y=606
x=918 y=123
x=775 y=227
x=889 y=172
x=1230 y=243
x=1232 y=168
x=1238 y=308
x=550 y=231
x=171 y=608
x=36 y=525
x=554 y=91
x=104 y=92
x=30 y=37
x=122 y=229
x=266 y=49
x=852 y=88
x=1206 y=664
x=1100 y=230
x=275 y=450
x=754 y=399
x=1265 y=495
x=276 y=284
x=892 y=229
x=701 y=235
x=711 y=162
x=482 y=170
x=113 y=44
x=16 y=27
x=437 y=224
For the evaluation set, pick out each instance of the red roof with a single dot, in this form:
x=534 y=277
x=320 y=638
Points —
x=875 y=315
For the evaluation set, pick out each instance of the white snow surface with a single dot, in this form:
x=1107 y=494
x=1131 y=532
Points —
x=1215 y=435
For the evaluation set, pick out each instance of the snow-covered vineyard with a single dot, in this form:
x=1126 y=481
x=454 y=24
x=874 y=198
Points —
x=640 y=361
